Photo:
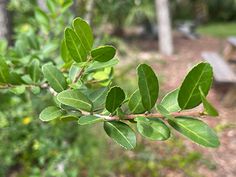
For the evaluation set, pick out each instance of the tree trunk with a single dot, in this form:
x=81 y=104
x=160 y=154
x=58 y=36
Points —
x=164 y=27
x=89 y=11
x=5 y=30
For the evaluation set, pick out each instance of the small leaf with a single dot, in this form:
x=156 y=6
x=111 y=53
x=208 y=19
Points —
x=42 y=17
x=4 y=71
x=34 y=71
x=209 y=109
x=50 y=113
x=85 y=34
x=18 y=90
x=170 y=101
x=103 y=53
x=101 y=65
x=15 y=79
x=114 y=99
x=200 y=76
x=71 y=116
x=135 y=103
x=148 y=86
x=65 y=54
x=164 y=112
x=55 y=78
x=74 y=46
x=90 y=119
x=196 y=130
x=75 y=99
x=121 y=133
x=152 y=128
x=98 y=97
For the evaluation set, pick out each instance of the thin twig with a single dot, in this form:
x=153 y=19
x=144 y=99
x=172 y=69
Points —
x=152 y=115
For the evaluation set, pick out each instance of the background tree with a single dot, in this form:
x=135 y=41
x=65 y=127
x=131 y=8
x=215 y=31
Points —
x=164 y=27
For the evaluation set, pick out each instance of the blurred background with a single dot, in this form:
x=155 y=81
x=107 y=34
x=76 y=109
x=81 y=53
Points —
x=169 y=35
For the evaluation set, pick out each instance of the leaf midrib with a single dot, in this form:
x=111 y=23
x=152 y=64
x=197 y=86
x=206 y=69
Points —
x=195 y=85
x=195 y=133
x=121 y=134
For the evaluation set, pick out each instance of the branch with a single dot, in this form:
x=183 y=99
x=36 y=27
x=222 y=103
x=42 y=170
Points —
x=153 y=115
x=79 y=74
x=81 y=71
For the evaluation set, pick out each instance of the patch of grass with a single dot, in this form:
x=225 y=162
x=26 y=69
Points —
x=221 y=30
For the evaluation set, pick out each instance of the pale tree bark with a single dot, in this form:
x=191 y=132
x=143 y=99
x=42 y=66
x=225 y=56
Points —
x=5 y=30
x=89 y=11
x=164 y=27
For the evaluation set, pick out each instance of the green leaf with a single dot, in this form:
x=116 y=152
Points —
x=89 y=119
x=148 y=86
x=114 y=99
x=209 y=109
x=196 y=130
x=164 y=112
x=135 y=103
x=85 y=34
x=71 y=116
x=4 y=71
x=121 y=133
x=51 y=5
x=35 y=71
x=152 y=128
x=50 y=113
x=170 y=101
x=101 y=65
x=15 y=79
x=65 y=55
x=55 y=78
x=75 y=99
x=200 y=76
x=18 y=90
x=42 y=17
x=74 y=46
x=66 y=4
x=98 y=97
x=103 y=53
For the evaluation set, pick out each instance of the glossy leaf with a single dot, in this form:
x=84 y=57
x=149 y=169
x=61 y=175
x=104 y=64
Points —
x=89 y=119
x=200 y=76
x=55 y=78
x=75 y=99
x=65 y=54
x=114 y=99
x=74 y=46
x=35 y=71
x=101 y=65
x=103 y=53
x=164 y=112
x=170 y=101
x=98 y=97
x=135 y=103
x=121 y=133
x=148 y=86
x=50 y=113
x=209 y=109
x=196 y=130
x=152 y=128
x=4 y=71
x=85 y=34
